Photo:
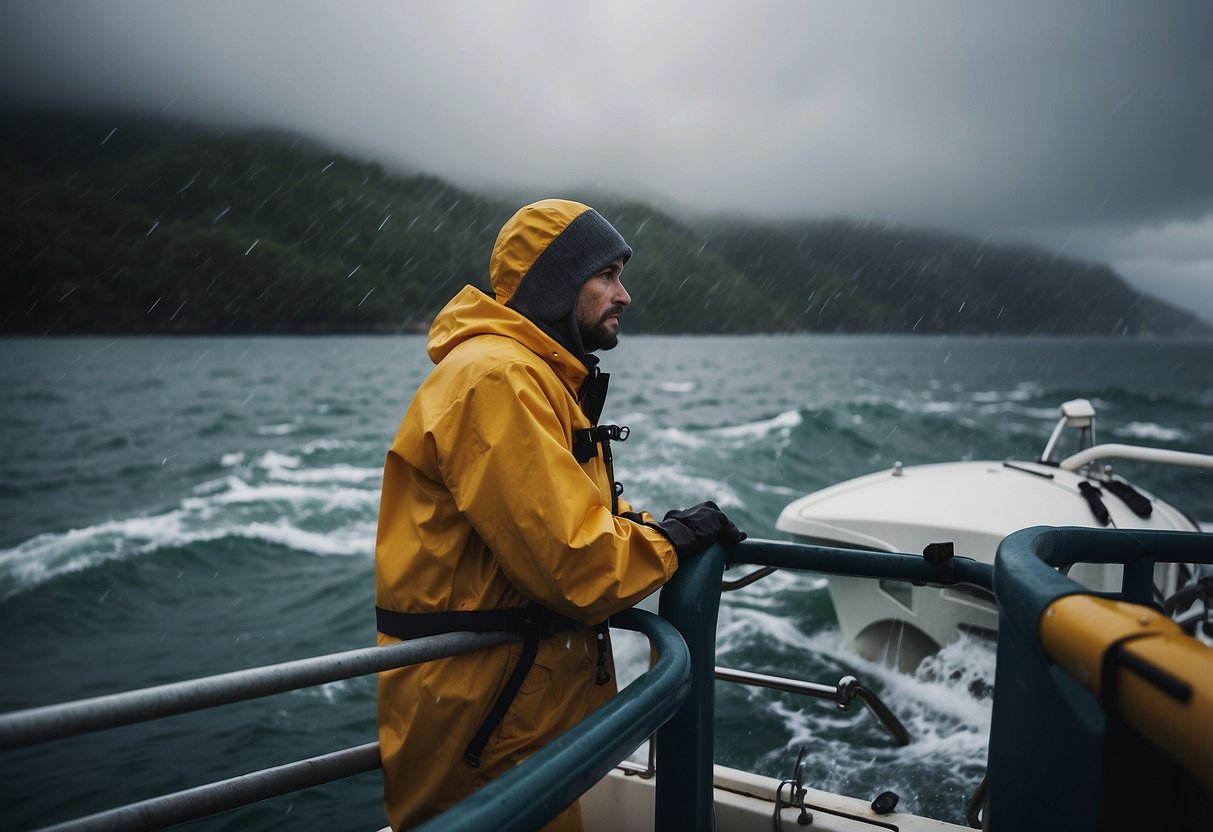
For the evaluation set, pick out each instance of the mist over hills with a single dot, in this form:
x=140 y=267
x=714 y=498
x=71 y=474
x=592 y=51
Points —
x=117 y=224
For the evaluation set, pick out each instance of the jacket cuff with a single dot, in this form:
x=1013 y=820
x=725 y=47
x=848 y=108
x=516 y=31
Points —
x=677 y=534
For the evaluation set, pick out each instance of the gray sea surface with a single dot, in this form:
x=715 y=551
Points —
x=172 y=508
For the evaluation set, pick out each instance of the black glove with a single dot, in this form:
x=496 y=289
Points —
x=694 y=529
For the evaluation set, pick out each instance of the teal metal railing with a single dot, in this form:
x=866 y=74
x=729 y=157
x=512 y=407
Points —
x=572 y=763
x=533 y=793
x=691 y=602
x=675 y=698
x=1049 y=737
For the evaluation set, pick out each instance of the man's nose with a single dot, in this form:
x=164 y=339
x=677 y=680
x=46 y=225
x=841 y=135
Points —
x=622 y=297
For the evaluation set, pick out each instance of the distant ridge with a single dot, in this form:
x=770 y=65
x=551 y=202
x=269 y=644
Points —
x=122 y=225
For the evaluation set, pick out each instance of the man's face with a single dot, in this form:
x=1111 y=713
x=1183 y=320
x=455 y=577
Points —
x=599 y=305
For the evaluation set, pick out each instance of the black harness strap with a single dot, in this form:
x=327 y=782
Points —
x=533 y=622
x=585 y=448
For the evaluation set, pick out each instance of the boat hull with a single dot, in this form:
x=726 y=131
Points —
x=972 y=505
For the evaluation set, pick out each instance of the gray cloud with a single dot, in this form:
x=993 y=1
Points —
x=1086 y=125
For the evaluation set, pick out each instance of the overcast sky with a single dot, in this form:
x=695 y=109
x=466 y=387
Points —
x=1081 y=126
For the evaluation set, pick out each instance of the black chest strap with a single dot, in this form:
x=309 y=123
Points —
x=585 y=448
x=533 y=622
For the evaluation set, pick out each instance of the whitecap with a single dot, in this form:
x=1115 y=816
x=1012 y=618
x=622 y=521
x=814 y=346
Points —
x=781 y=490
x=48 y=556
x=319 y=445
x=1151 y=431
x=271 y=460
x=677 y=386
x=276 y=430
x=757 y=430
x=692 y=489
x=336 y=473
x=682 y=438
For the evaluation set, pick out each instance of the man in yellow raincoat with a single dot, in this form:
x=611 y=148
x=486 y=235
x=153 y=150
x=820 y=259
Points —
x=499 y=511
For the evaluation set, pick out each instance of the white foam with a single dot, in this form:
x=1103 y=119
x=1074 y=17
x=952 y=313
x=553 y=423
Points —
x=682 y=438
x=677 y=386
x=298 y=496
x=48 y=556
x=336 y=473
x=341 y=542
x=320 y=445
x=1022 y=392
x=1151 y=431
x=277 y=430
x=757 y=430
x=229 y=507
x=272 y=460
x=686 y=487
x=781 y=490
x=948 y=724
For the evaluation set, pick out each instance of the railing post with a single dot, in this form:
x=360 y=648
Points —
x=685 y=749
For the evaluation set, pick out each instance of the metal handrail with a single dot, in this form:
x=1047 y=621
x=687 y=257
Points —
x=691 y=602
x=224 y=795
x=1052 y=718
x=627 y=718
x=533 y=793
x=1114 y=450
x=52 y=722
x=844 y=693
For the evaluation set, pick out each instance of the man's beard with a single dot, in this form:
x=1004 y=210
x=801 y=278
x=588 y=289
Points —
x=599 y=336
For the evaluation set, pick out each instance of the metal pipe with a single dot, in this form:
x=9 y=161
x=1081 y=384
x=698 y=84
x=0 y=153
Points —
x=223 y=795
x=859 y=563
x=843 y=693
x=746 y=580
x=53 y=722
x=882 y=713
x=762 y=680
x=1159 y=455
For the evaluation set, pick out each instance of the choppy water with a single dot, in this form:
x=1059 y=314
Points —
x=173 y=508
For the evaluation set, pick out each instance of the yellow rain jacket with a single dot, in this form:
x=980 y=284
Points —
x=485 y=507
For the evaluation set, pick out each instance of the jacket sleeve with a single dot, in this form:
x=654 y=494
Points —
x=504 y=455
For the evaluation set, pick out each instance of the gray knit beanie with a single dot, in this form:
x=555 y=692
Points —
x=585 y=247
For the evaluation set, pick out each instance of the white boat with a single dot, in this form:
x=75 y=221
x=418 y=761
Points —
x=973 y=506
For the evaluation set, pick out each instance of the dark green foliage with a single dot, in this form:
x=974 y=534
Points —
x=121 y=225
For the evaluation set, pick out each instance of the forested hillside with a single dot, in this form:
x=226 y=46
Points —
x=112 y=224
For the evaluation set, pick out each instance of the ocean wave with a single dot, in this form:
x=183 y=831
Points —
x=321 y=445
x=732 y=437
x=946 y=714
x=340 y=472
x=679 y=437
x=49 y=556
x=685 y=488
x=784 y=423
x=308 y=518
x=1024 y=391
x=1150 y=431
x=274 y=460
x=277 y=430
x=301 y=498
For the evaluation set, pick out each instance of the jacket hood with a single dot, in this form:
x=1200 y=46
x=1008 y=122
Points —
x=472 y=313
x=558 y=244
